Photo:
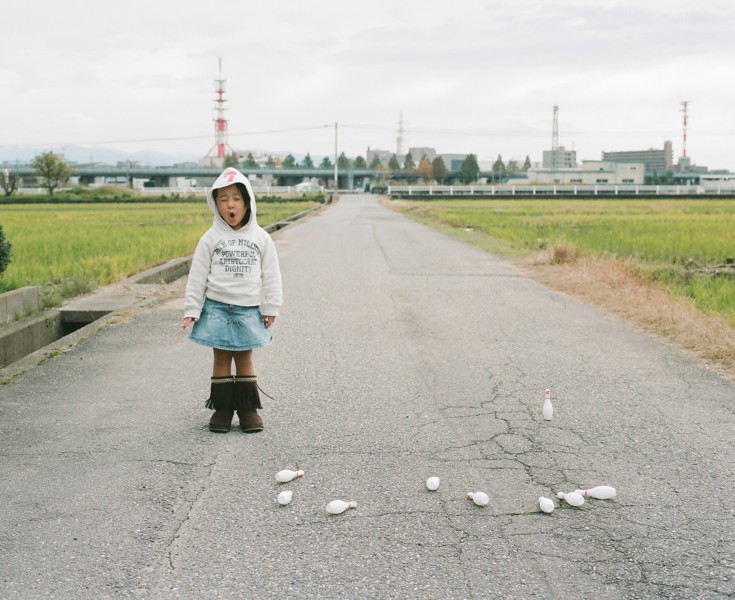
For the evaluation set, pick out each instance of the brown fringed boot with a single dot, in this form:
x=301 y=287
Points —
x=220 y=399
x=246 y=401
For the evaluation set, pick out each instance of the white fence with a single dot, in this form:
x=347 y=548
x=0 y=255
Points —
x=562 y=190
x=275 y=190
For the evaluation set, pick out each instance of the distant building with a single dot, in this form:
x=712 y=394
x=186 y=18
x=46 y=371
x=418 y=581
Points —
x=211 y=161
x=383 y=156
x=657 y=162
x=418 y=153
x=685 y=165
x=592 y=172
x=559 y=159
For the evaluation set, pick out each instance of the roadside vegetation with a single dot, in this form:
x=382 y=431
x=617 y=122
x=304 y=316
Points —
x=69 y=249
x=663 y=264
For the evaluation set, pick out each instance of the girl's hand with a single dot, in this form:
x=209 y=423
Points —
x=187 y=321
x=268 y=321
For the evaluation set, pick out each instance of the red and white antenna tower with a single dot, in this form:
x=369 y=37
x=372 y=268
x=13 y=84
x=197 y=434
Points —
x=220 y=123
x=684 y=105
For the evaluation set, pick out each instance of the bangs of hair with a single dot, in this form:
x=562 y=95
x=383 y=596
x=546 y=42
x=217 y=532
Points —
x=241 y=188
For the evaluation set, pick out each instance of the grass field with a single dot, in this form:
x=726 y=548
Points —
x=660 y=236
x=69 y=249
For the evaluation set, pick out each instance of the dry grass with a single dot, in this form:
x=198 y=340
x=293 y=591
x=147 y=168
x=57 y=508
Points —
x=615 y=286
x=612 y=284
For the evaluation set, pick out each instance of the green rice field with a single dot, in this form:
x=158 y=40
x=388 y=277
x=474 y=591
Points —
x=69 y=249
x=661 y=236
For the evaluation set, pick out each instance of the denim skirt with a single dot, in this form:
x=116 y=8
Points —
x=230 y=327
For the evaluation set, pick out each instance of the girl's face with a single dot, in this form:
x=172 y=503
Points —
x=231 y=206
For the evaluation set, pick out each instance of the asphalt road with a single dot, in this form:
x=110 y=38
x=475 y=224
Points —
x=400 y=354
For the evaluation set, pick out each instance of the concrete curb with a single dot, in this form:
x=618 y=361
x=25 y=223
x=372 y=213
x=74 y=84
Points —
x=108 y=305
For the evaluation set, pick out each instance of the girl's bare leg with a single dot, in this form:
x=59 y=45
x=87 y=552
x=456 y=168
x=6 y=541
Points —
x=244 y=362
x=222 y=365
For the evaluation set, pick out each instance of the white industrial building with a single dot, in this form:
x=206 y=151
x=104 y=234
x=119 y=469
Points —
x=559 y=159
x=592 y=172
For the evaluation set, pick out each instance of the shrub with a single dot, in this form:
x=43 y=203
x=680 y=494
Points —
x=6 y=251
x=565 y=253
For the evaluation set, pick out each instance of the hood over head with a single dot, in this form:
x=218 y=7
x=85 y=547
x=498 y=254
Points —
x=232 y=176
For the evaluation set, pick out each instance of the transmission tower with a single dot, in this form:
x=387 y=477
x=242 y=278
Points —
x=399 y=138
x=684 y=105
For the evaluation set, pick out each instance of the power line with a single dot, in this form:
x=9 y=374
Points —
x=529 y=133
x=164 y=139
x=499 y=133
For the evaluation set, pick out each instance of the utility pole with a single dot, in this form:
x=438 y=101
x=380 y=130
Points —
x=555 y=141
x=336 y=185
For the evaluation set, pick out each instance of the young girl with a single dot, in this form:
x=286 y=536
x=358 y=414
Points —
x=234 y=267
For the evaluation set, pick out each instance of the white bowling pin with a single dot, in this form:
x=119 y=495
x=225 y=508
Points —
x=548 y=409
x=432 y=483
x=287 y=475
x=479 y=498
x=336 y=507
x=546 y=504
x=601 y=492
x=572 y=498
x=285 y=497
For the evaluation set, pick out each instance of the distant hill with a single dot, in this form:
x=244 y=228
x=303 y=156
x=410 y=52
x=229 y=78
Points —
x=87 y=154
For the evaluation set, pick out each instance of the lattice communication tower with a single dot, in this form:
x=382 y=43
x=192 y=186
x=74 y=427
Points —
x=220 y=123
x=684 y=106
x=555 y=140
x=399 y=138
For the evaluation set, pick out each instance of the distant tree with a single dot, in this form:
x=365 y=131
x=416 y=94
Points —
x=6 y=251
x=250 y=161
x=470 y=170
x=10 y=182
x=231 y=160
x=425 y=171
x=289 y=162
x=270 y=162
x=393 y=163
x=308 y=162
x=326 y=163
x=359 y=162
x=52 y=169
x=669 y=177
x=408 y=163
x=512 y=167
x=526 y=163
x=498 y=169
x=439 y=169
x=343 y=162
x=376 y=162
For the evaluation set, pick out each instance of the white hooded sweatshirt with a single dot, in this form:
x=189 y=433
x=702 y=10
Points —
x=235 y=267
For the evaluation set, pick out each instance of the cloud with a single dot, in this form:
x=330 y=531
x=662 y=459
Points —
x=468 y=76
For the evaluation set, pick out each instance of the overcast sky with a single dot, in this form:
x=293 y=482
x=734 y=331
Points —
x=468 y=76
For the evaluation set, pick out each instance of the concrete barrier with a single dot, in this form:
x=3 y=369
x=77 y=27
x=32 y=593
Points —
x=165 y=273
x=24 y=337
x=19 y=303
